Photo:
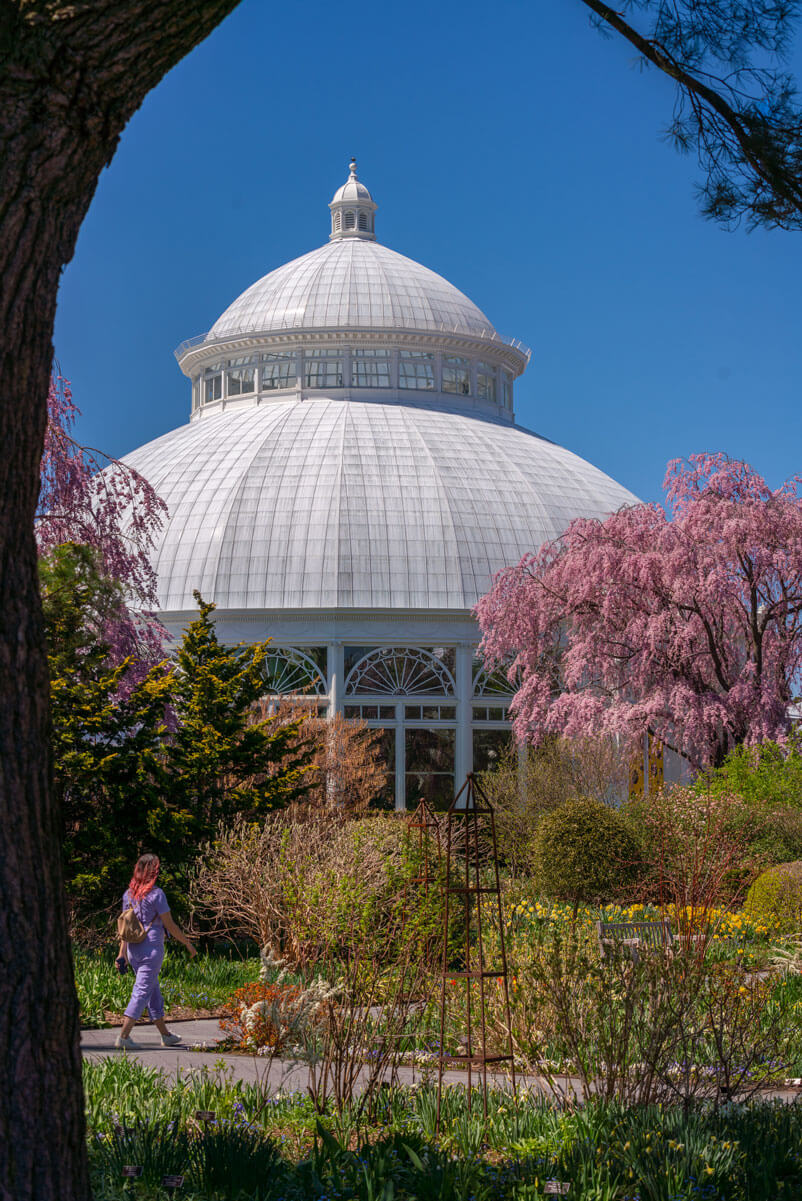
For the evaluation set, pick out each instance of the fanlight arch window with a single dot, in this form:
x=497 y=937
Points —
x=349 y=220
x=290 y=672
x=363 y=221
x=494 y=683
x=404 y=671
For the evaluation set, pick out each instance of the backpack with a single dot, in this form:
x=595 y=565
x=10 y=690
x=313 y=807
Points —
x=130 y=928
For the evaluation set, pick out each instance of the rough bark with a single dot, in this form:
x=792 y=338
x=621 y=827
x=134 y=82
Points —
x=71 y=75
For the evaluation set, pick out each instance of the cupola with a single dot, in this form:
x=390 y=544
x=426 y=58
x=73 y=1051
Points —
x=352 y=208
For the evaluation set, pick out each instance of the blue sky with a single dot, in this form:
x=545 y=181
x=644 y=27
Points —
x=510 y=148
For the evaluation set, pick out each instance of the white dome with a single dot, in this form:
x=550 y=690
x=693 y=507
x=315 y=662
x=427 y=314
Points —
x=351 y=283
x=324 y=503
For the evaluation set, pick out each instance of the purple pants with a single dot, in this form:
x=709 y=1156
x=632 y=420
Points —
x=146 y=960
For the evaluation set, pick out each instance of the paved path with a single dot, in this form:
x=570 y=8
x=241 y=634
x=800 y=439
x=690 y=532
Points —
x=285 y=1074
x=288 y=1075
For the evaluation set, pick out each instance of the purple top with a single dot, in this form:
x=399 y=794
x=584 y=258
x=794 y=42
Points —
x=149 y=909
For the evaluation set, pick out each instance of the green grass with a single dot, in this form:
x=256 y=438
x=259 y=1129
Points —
x=261 y=1148
x=200 y=983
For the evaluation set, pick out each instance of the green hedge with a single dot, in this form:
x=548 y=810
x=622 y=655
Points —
x=584 y=852
x=775 y=898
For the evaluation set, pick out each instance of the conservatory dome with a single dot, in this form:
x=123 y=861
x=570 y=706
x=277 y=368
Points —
x=339 y=505
x=350 y=480
x=352 y=283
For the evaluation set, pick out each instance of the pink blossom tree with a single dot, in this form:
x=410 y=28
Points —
x=88 y=498
x=683 y=621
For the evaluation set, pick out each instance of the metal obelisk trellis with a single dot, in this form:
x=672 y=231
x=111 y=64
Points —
x=472 y=815
x=424 y=823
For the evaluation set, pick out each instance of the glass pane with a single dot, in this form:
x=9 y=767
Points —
x=241 y=381
x=457 y=376
x=214 y=387
x=369 y=372
x=387 y=712
x=486 y=382
x=430 y=767
x=352 y=711
x=323 y=372
x=278 y=371
x=488 y=748
x=352 y=655
x=386 y=754
x=416 y=371
x=506 y=386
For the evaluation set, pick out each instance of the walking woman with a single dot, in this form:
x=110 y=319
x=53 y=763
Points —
x=150 y=905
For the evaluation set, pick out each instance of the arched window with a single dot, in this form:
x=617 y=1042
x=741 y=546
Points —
x=494 y=683
x=349 y=220
x=290 y=671
x=363 y=221
x=405 y=671
x=337 y=221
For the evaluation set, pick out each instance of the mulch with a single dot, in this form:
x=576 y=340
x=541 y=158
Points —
x=179 y=1013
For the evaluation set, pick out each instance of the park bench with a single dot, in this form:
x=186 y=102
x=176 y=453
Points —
x=632 y=938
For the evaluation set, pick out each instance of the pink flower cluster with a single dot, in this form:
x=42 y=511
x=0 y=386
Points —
x=683 y=621
x=89 y=498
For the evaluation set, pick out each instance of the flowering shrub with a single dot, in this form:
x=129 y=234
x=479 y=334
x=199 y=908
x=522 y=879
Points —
x=263 y=1016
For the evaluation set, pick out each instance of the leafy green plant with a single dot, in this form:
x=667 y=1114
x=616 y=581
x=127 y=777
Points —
x=262 y=1148
x=233 y=1159
x=775 y=898
x=584 y=851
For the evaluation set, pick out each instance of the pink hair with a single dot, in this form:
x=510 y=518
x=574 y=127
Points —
x=144 y=877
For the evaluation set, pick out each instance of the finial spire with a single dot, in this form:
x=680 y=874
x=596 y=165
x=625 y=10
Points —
x=352 y=208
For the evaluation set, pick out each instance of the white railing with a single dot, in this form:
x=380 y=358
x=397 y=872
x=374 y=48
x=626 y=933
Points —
x=482 y=336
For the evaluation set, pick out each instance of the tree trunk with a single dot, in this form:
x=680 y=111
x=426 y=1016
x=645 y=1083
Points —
x=71 y=75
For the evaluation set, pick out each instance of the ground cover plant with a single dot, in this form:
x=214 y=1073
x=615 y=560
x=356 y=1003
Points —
x=266 y=1147
x=201 y=984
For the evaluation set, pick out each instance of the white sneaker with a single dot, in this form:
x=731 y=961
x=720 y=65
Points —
x=171 y=1040
x=126 y=1044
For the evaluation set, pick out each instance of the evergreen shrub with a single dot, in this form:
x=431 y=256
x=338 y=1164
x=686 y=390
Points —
x=584 y=852
x=775 y=898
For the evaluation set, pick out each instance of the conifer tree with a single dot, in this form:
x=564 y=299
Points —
x=222 y=760
x=107 y=733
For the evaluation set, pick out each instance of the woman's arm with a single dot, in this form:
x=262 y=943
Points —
x=173 y=929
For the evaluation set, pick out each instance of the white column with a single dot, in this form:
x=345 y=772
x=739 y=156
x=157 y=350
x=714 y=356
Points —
x=336 y=677
x=400 y=759
x=464 y=680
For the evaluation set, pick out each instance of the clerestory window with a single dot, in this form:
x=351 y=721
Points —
x=323 y=369
x=278 y=371
x=370 y=369
x=456 y=375
x=416 y=370
x=241 y=377
x=486 y=382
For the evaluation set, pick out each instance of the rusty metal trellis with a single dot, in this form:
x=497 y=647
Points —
x=470 y=831
x=424 y=822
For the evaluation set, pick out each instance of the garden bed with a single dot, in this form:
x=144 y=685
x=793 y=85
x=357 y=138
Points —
x=261 y=1147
